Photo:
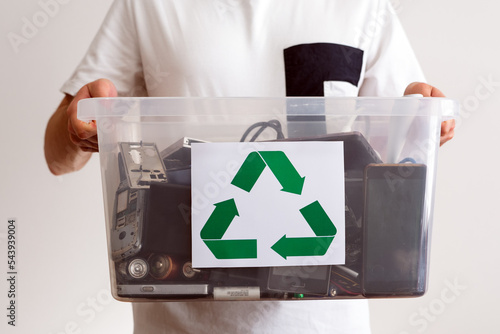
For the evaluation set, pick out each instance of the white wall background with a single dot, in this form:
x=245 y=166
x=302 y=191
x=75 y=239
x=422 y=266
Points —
x=457 y=44
x=63 y=275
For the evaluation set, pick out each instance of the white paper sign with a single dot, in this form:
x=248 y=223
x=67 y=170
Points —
x=268 y=204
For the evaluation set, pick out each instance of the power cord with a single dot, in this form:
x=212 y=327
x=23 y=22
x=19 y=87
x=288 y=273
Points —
x=274 y=124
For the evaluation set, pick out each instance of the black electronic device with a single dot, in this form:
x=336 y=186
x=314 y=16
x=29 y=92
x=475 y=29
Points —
x=358 y=153
x=394 y=252
x=311 y=280
x=151 y=234
x=178 y=155
x=343 y=280
x=177 y=160
x=151 y=237
x=162 y=268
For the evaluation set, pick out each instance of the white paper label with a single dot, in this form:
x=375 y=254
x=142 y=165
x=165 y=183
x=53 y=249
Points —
x=268 y=204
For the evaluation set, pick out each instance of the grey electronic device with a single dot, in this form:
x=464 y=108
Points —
x=140 y=165
x=143 y=164
x=167 y=290
x=126 y=231
x=178 y=155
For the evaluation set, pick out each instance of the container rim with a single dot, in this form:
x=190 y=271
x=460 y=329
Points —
x=106 y=107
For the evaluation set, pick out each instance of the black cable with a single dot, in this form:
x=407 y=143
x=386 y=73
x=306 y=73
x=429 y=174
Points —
x=274 y=124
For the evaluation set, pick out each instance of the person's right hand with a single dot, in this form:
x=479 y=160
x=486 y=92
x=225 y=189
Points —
x=83 y=134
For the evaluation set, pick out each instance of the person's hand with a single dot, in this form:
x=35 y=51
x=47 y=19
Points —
x=447 y=127
x=83 y=134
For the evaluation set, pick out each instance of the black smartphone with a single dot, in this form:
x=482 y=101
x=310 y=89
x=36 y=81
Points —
x=394 y=233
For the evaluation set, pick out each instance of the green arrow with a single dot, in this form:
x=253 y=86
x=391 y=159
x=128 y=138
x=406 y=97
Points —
x=219 y=220
x=249 y=172
x=312 y=246
x=285 y=172
x=319 y=221
x=233 y=249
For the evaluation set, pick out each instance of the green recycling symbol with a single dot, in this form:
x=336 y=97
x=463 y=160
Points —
x=291 y=181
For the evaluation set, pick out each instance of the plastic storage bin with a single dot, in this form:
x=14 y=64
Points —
x=192 y=213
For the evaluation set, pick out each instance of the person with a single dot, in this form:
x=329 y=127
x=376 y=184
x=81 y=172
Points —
x=238 y=48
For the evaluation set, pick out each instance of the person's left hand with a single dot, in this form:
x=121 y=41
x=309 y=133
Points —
x=447 y=127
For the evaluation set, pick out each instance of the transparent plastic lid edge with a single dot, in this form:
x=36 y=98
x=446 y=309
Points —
x=95 y=108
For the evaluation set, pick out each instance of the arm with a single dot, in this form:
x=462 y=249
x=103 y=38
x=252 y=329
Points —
x=447 y=127
x=69 y=142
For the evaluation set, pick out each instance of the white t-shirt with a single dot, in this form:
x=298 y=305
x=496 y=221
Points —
x=236 y=48
x=251 y=48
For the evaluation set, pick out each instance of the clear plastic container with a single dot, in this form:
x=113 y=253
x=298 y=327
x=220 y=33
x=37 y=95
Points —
x=153 y=195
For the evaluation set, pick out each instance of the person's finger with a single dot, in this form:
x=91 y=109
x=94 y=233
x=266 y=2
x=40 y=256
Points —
x=98 y=88
x=426 y=90
x=89 y=149
x=447 y=131
x=88 y=146
x=422 y=88
x=84 y=143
